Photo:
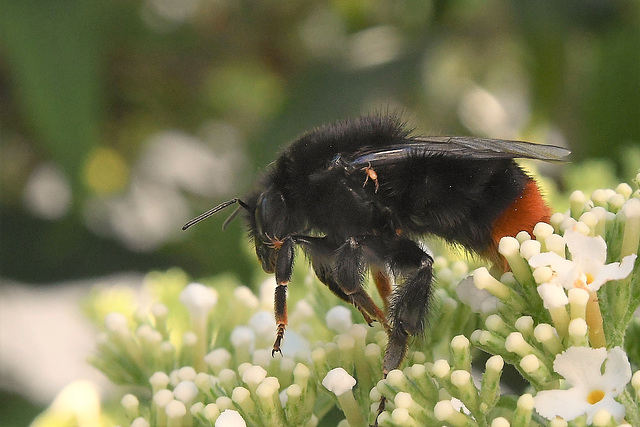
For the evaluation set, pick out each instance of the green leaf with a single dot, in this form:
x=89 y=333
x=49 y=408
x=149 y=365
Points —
x=54 y=51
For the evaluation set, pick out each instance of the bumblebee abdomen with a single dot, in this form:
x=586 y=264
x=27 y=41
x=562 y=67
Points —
x=460 y=200
x=522 y=214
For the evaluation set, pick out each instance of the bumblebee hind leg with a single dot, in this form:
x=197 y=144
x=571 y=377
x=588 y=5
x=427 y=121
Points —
x=383 y=283
x=409 y=302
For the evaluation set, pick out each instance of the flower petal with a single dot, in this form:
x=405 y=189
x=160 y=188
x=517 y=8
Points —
x=617 y=372
x=580 y=366
x=567 y=404
x=613 y=271
x=608 y=403
x=551 y=259
x=566 y=271
x=480 y=300
x=585 y=250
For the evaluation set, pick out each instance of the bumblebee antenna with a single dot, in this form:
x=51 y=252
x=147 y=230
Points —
x=226 y=222
x=215 y=210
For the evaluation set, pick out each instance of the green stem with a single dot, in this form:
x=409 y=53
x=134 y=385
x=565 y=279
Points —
x=632 y=415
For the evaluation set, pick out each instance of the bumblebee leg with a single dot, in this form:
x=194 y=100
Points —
x=383 y=283
x=349 y=273
x=320 y=253
x=409 y=302
x=323 y=273
x=349 y=266
x=341 y=269
x=284 y=267
x=370 y=173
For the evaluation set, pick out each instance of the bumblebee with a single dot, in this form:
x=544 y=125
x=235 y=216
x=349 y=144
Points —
x=359 y=195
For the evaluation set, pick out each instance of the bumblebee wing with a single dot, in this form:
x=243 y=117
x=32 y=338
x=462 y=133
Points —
x=459 y=147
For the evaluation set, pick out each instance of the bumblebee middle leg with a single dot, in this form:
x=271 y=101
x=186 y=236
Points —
x=349 y=272
x=342 y=269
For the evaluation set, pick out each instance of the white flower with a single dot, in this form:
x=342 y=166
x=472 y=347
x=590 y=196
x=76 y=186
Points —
x=591 y=389
x=480 y=300
x=587 y=268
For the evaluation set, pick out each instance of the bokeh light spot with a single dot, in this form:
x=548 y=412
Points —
x=48 y=192
x=105 y=171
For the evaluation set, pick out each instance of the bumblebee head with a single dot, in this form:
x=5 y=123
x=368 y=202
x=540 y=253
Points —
x=267 y=220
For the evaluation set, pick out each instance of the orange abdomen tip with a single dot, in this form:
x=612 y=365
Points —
x=522 y=214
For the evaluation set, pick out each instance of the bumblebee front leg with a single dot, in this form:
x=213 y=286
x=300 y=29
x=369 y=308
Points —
x=284 y=268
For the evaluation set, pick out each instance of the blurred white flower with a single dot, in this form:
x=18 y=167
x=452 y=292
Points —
x=338 y=319
x=48 y=193
x=480 y=300
x=199 y=299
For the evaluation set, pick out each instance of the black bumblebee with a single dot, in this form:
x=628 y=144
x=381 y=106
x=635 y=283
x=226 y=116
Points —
x=357 y=195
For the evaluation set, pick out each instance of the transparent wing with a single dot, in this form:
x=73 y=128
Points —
x=458 y=147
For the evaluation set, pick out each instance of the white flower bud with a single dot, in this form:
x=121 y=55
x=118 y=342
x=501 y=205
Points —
x=338 y=381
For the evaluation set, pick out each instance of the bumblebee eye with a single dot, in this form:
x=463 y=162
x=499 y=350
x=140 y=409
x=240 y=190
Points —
x=259 y=214
x=269 y=215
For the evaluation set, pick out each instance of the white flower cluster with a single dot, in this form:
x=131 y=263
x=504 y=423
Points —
x=580 y=297
x=560 y=316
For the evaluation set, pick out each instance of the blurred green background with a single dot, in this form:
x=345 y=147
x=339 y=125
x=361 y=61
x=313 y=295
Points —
x=122 y=119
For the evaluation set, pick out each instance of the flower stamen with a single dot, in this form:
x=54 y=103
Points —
x=595 y=396
x=580 y=284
